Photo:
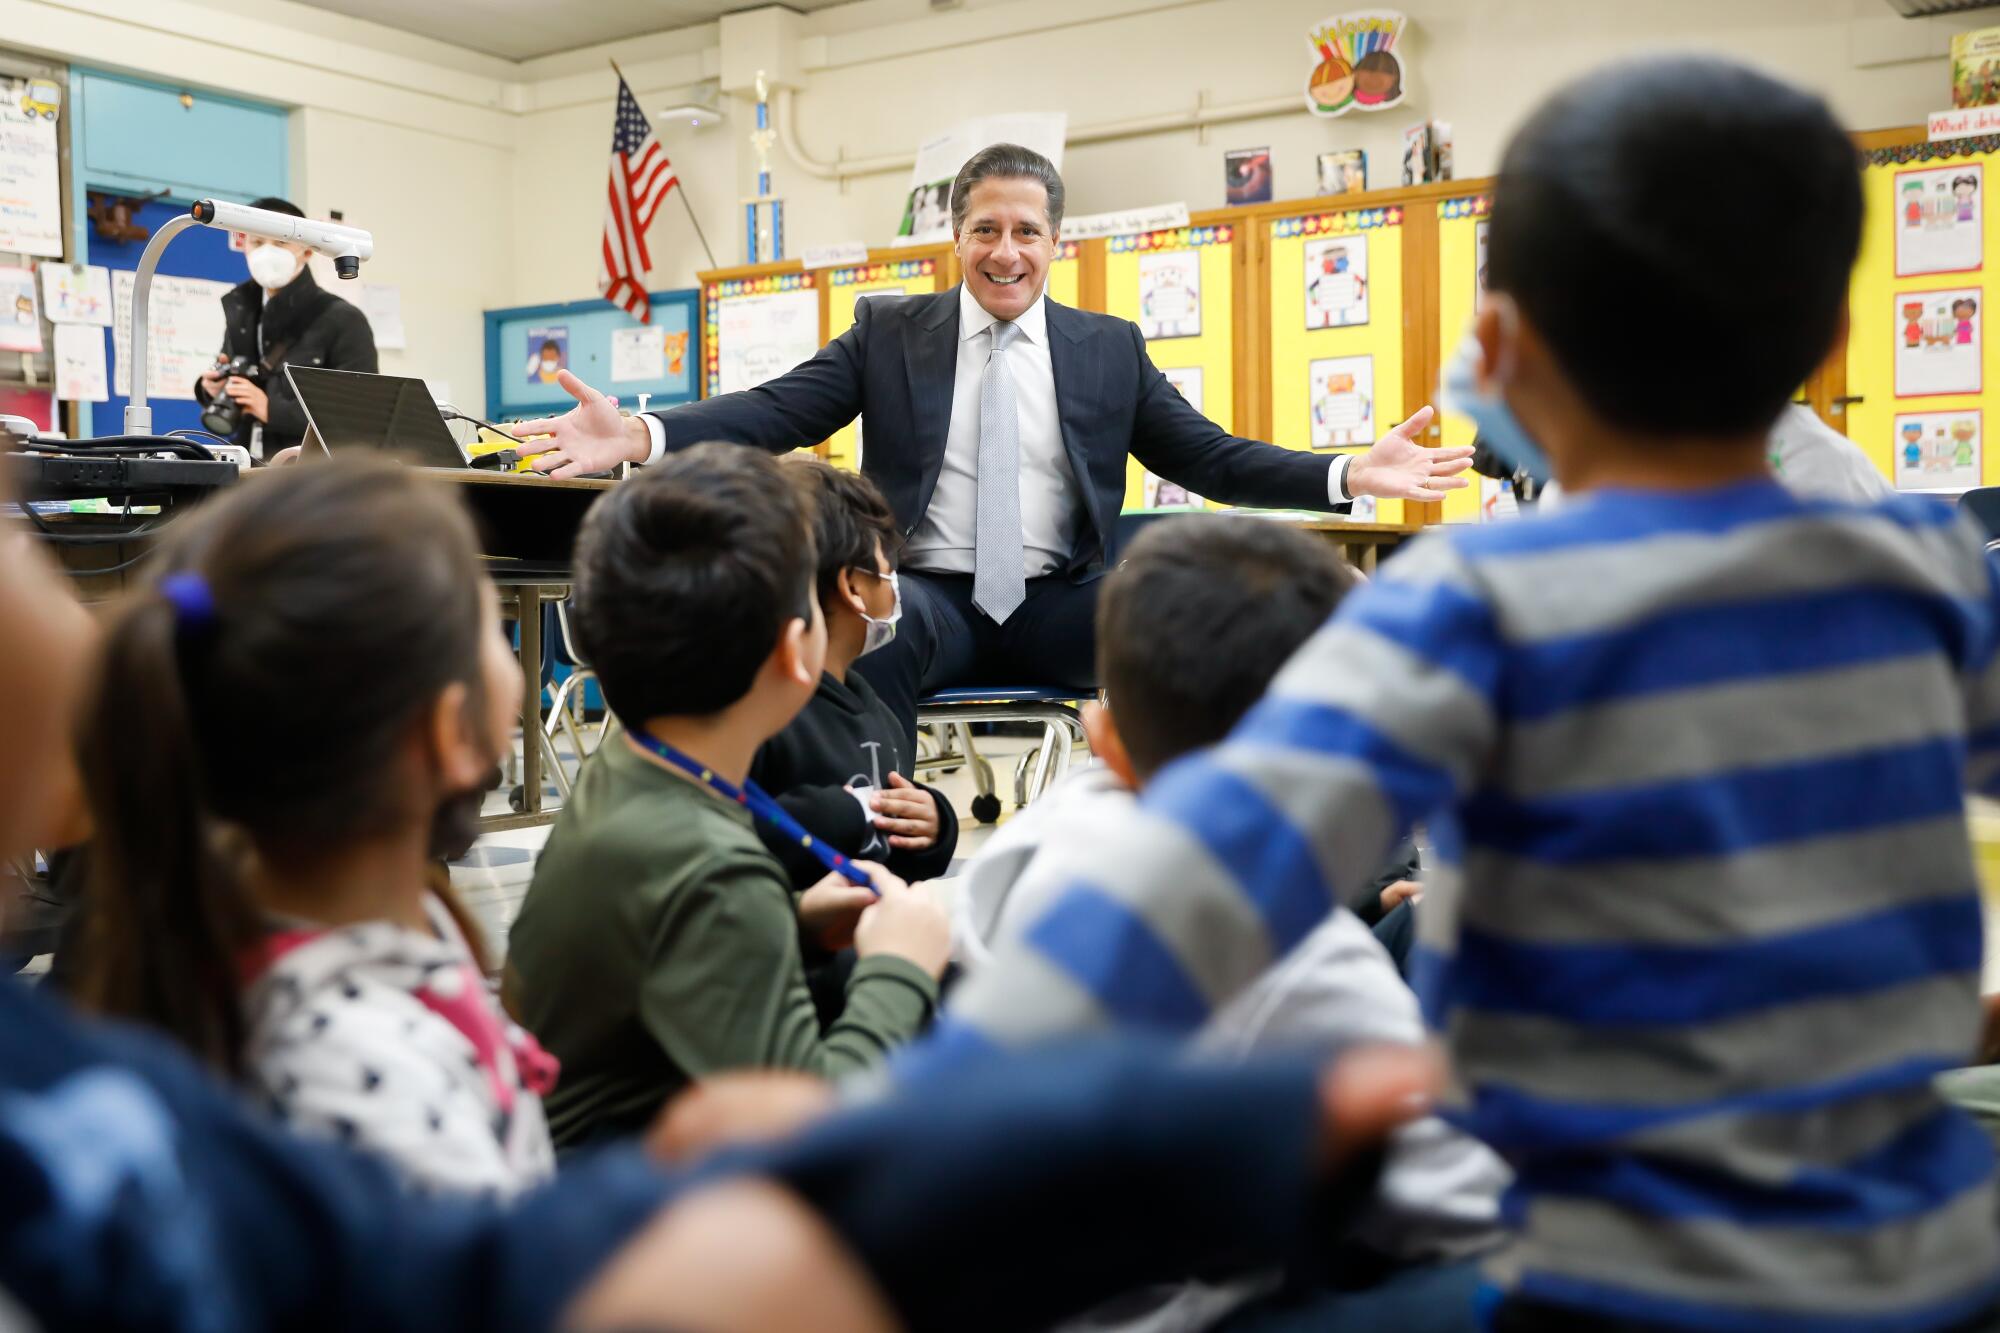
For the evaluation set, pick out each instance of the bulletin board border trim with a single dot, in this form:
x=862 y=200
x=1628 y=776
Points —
x=1173 y=238
x=1471 y=206
x=715 y=293
x=1336 y=224
x=906 y=268
x=1901 y=154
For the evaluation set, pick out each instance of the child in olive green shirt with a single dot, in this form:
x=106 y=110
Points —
x=660 y=942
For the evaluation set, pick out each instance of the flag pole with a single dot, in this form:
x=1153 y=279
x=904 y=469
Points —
x=681 y=187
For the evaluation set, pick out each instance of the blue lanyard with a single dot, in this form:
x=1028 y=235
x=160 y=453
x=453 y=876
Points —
x=759 y=803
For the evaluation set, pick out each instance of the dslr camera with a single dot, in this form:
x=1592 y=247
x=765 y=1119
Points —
x=224 y=414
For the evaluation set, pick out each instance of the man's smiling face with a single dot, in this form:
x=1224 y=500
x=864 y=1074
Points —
x=1005 y=244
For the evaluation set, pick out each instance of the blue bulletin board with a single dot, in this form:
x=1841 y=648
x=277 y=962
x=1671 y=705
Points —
x=579 y=335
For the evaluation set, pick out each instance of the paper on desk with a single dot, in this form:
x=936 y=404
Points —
x=80 y=376
x=382 y=303
x=20 y=324
x=638 y=354
x=77 y=294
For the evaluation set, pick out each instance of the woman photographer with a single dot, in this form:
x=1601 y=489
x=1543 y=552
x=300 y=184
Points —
x=278 y=317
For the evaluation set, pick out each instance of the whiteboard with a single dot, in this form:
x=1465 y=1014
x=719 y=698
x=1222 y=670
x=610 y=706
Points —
x=184 y=332
x=30 y=178
x=761 y=337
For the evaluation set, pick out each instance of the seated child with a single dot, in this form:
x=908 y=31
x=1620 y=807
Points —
x=1697 y=746
x=289 y=722
x=1186 y=585
x=840 y=768
x=660 y=941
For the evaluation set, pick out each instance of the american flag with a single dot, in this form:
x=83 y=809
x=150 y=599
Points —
x=640 y=179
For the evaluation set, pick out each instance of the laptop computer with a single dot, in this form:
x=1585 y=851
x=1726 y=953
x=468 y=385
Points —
x=389 y=414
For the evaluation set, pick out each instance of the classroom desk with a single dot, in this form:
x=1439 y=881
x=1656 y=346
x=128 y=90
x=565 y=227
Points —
x=1364 y=544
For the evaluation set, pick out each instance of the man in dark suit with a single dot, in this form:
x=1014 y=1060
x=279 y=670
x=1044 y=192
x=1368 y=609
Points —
x=998 y=425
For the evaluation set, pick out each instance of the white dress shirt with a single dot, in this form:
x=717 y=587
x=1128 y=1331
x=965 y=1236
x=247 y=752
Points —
x=1050 y=496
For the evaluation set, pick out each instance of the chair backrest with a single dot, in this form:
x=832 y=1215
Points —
x=1984 y=504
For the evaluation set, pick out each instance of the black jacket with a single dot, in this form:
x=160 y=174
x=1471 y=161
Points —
x=897 y=367
x=845 y=736
x=304 y=324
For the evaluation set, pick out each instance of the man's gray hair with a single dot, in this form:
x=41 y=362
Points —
x=1006 y=160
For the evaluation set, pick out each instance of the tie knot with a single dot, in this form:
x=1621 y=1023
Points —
x=1004 y=333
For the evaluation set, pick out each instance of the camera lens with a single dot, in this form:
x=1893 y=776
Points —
x=347 y=266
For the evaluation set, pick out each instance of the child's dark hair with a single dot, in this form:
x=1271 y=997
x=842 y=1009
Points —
x=686 y=576
x=1666 y=315
x=1197 y=620
x=252 y=699
x=849 y=519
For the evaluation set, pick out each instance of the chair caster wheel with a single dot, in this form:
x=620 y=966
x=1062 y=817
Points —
x=986 y=809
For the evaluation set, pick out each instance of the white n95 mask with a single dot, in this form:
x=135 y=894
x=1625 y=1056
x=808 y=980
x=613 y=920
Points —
x=272 y=266
x=879 y=632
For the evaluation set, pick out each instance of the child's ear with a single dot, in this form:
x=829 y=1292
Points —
x=463 y=756
x=801 y=650
x=1107 y=744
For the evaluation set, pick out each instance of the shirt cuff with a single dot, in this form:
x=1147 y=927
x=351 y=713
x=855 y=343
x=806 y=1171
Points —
x=1336 y=480
x=658 y=434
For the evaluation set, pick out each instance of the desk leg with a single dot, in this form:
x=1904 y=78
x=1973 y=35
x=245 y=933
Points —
x=530 y=606
x=1370 y=554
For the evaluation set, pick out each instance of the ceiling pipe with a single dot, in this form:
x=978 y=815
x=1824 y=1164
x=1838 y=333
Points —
x=1196 y=118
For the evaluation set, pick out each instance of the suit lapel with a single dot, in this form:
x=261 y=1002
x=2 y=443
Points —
x=931 y=355
x=1076 y=377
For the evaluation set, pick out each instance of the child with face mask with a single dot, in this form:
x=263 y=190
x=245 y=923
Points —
x=840 y=767
x=290 y=726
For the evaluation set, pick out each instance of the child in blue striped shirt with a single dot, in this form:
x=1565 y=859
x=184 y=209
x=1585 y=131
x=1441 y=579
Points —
x=1693 y=753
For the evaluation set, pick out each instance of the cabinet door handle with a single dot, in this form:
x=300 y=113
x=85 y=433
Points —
x=1838 y=406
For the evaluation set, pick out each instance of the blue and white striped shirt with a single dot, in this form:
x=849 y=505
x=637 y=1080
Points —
x=1707 y=922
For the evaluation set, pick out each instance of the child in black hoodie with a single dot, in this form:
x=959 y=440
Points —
x=839 y=768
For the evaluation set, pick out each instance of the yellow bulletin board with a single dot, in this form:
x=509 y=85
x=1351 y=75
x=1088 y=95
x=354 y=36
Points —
x=1461 y=233
x=846 y=286
x=1936 y=367
x=1336 y=366
x=1066 y=276
x=1179 y=287
x=718 y=288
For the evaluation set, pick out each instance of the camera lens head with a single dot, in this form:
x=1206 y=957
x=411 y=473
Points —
x=347 y=266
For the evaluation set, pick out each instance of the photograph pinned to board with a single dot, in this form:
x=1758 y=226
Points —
x=1170 y=294
x=1356 y=62
x=20 y=315
x=79 y=364
x=761 y=337
x=1940 y=215
x=1342 y=392
x=548 y=352
x=1337 y=282
x=1417 y=155
x=77 y=294
x=1246 y=176
x=1938 y=451
x=1187 y=382
x=1938 y=337
x=638 y=354
x=1345 y=172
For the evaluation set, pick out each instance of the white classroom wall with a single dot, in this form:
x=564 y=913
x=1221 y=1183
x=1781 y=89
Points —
x=484 y=179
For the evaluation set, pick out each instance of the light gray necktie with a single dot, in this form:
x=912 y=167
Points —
x=999 y=577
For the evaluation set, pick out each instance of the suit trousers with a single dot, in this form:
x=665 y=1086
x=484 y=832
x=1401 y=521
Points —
x=944 y=640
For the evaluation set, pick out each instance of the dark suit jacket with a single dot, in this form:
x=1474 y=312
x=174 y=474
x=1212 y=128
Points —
x=897 y=365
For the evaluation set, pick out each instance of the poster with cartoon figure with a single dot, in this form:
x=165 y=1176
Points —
x=20 y=316
x=1170 y=295
x=1187 y=379
x=548 y=352
x=1938 y=451
x=1159 y=493
x=1938 y=337
x=1343 y=401
x=1939 y=220
x=1336 y=282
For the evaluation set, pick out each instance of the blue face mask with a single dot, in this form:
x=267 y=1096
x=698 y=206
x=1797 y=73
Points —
x=1492 y=419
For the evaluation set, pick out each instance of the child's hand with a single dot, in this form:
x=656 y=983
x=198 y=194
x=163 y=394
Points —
x=1371 y=1090
x=1403 y=890
x=906 y=923
x=829 y=909
x=743 y=1106
x=907 y=813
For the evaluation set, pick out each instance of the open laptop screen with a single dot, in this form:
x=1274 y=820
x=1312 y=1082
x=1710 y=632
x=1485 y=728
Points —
x=389 y=414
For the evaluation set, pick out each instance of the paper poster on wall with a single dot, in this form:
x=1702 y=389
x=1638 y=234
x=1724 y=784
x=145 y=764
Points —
x=927 y=207
x=382 y=303
x=20 y=316
x=1157 y=492
x=1356 y=63
x=79 y=364
x=184 y=332
x=1343 y=401
x=1170 y=294
x=1345 y=172
x=1938 y=338
x=77 y=294
x=548 y=352
x=30 y=175
x=1939 y=219
x=1337 y=282
x=1187 y=381
x=1497 y=500
x=1479 y=242
x=1938 y=451
x=761 y=337
x=1246 y=176
x=638 y=354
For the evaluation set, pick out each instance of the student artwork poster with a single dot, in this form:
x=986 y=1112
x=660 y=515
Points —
x=1337 y=282
x=1938 y=451
x=1940 y=216
x=1170 y=295
x=548 y=352
x=1187 y=381
x=1342 y=392
x=1938 y=340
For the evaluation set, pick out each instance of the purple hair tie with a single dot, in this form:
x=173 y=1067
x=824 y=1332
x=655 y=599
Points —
x=193 y=601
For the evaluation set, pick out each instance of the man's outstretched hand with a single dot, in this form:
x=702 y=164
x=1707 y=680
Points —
x=1396 y=467
x=590 y=437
